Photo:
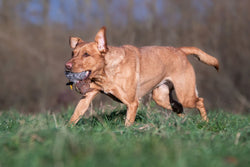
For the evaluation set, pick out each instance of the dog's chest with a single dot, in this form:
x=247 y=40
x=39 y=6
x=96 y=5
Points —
x=108 y=91
x=108 y=88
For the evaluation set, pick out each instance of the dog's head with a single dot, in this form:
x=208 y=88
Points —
x=87 y=57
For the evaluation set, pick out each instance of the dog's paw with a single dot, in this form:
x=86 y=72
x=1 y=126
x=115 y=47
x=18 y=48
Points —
x=177 y=107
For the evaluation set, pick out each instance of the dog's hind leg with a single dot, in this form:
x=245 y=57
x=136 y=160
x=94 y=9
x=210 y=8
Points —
x=201 y=108
x=197 y=102
x=176 y=106
x=188 y=96
x=162 y=95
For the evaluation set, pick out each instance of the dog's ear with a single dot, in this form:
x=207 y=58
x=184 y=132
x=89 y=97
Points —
x=101 y=40
x=74 y=41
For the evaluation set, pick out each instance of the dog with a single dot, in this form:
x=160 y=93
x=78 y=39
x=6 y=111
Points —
x=127 y=73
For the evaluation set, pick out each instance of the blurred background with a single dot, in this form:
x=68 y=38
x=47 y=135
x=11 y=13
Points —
x=34 y=45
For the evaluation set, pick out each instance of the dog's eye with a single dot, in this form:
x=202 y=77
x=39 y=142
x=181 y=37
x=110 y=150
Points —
x=85 y=54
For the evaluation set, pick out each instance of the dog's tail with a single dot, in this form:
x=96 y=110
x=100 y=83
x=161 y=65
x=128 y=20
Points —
x=202 y=56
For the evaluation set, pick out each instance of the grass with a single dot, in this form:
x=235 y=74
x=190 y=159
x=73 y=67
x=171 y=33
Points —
x=158 y=138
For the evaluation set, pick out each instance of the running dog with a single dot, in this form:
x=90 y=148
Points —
x=127 y=73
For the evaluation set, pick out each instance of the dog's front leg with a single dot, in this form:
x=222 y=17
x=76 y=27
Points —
x=131 y=113
x=82 y=107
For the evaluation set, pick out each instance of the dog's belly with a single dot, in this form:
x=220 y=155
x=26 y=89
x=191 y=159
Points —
x=146 y=85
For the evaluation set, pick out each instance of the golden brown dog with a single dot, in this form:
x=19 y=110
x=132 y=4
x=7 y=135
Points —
x=128 y=73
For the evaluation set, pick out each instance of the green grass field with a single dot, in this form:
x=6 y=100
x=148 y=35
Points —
x=158 y=138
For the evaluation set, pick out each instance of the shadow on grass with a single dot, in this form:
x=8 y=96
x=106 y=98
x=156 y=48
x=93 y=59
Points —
x=116 y=117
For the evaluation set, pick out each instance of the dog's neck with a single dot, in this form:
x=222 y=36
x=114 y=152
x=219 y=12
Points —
x=112 y=59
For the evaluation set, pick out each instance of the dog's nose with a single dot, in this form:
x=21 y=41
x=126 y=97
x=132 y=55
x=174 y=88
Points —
x=68 y=66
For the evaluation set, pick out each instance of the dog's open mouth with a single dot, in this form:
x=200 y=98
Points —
x=80 y=81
